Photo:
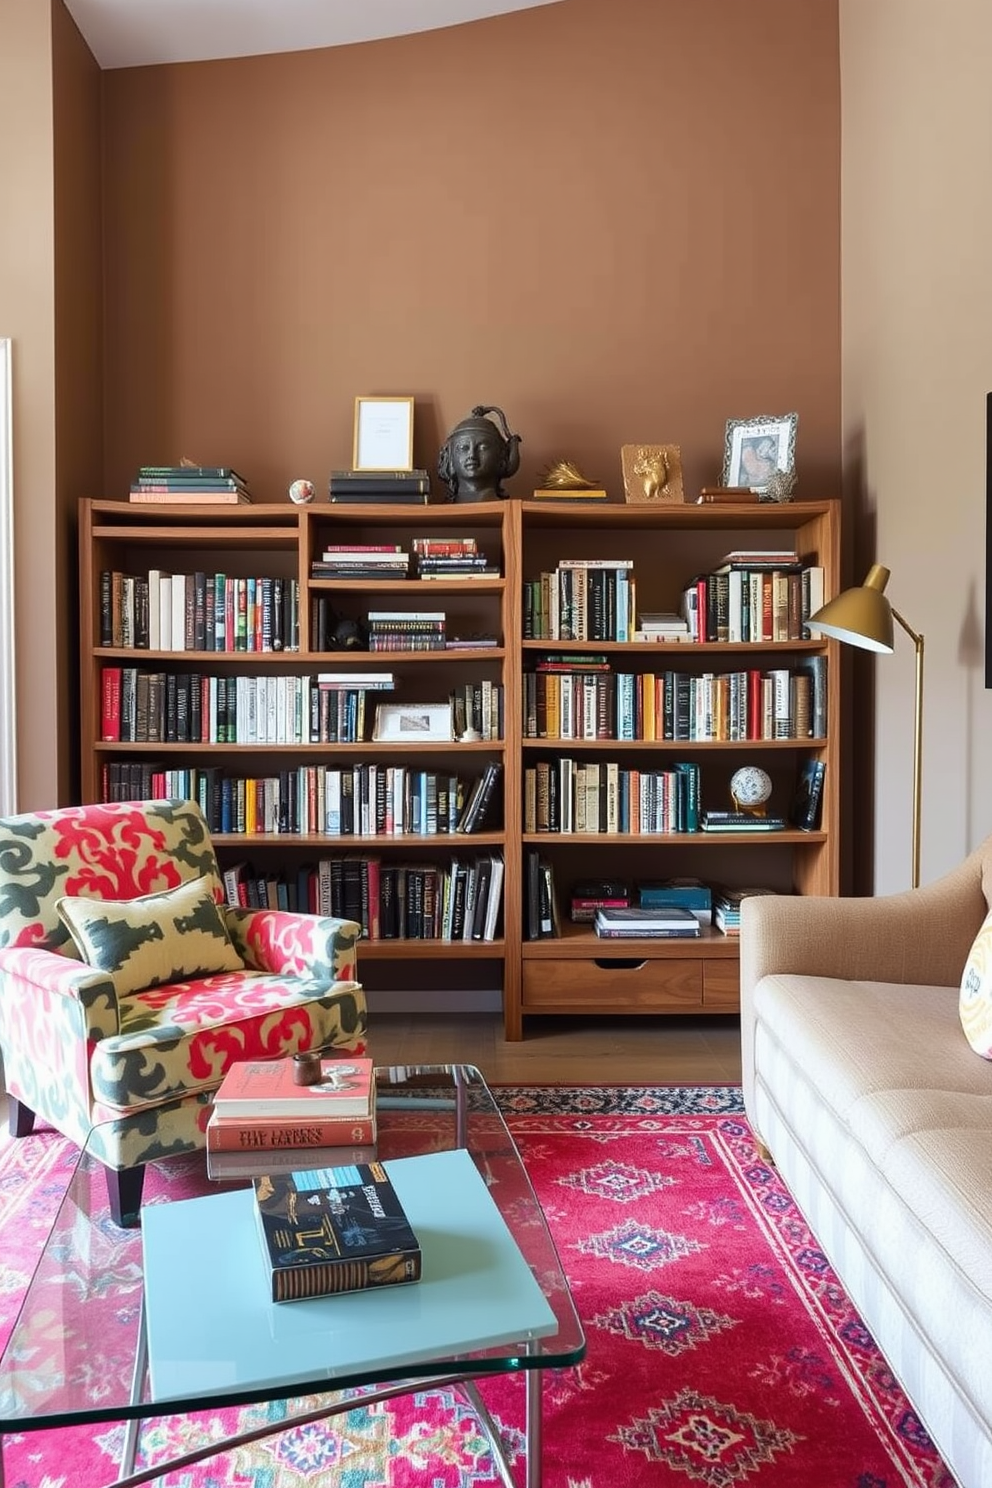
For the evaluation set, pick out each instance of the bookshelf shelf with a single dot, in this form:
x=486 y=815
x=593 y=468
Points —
x=573 y=971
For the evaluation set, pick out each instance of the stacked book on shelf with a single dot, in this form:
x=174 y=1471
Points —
x=741 y=821
x=661 y=626
x=592 y=894
x=189 y=485
x=263 y=1121
x=380 y=487
x=340 y=1228
x=663 y=922
x=406 y=630
x=160 y=611
x=362 y=561
x=686 y=893
x=727 y=907
x=451 y=558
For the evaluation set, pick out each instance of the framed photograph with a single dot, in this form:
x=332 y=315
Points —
x=756 y=448
x=413 y=723
x=383 y=434
x=652 y=473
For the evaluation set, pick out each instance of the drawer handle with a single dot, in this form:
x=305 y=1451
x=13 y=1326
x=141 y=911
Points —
x=619 y=963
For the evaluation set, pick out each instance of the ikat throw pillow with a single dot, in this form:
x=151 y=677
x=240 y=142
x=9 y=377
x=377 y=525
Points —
x=174 y=936
x=975 y=1000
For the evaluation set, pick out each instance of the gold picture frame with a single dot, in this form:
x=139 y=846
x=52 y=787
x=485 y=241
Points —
x=652 y=473
x=383 y=434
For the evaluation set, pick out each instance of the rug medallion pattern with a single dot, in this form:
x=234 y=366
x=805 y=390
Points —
x=722 y=1351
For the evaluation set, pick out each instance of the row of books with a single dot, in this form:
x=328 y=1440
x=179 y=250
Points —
x=588 y=700
x=607 y=797
x=581 y=600
x=748 y=605
x=426 y=558
x=161 y=611
x=617 y=908
x=143 y=706
x=332 y=631
x=362 y=800
x=457 y=900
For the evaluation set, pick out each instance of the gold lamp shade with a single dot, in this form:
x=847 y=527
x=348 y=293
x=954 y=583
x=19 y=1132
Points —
x=861 y=616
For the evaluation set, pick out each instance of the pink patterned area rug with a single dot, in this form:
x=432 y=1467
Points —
x=722 y=1350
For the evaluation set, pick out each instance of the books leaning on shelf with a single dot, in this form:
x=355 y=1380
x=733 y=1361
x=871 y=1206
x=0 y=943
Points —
x=807 y=803
x=268 y=1087
x=668 y=922
x=540 y=906
x=330 y=1230
x=481 y=799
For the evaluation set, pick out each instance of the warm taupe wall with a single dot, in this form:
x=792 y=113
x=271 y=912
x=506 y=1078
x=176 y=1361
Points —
x=78 y=290
x=27 y=316
x=917 y=335
x=587 y=213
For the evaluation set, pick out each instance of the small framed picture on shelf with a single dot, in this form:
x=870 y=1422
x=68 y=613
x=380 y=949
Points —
x=413 y=723
x=756 y=448
x=383 y=434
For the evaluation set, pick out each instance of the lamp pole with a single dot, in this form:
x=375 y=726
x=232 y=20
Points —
x=917 y=641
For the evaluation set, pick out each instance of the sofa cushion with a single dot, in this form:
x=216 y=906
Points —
x=172 y=936
x=975 y=1000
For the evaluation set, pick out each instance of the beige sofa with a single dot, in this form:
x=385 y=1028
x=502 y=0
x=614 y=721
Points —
x=878 y=1114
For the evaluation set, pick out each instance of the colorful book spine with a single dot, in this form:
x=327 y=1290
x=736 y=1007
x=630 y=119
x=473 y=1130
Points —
x=259 y=1134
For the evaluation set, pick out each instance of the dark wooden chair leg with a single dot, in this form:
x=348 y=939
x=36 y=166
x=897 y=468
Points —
x=20 y=1118
x=124 y=1192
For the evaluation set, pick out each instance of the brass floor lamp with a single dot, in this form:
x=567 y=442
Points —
x=863 y=617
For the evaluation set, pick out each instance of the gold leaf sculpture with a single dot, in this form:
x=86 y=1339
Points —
x=652 y=472
x=563 y=475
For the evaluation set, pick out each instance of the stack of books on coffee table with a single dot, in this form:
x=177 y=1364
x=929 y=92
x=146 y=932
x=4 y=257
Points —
x=263 y=1121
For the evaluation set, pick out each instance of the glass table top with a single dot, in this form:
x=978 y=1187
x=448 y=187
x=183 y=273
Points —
x=77 y=1350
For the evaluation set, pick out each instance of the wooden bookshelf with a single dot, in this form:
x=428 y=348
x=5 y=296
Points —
x=575 y=972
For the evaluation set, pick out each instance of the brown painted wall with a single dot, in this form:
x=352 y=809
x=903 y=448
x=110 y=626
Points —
x=620 y=222
x=78 y=291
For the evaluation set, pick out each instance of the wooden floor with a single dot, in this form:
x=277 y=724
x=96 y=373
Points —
x=581 y=1051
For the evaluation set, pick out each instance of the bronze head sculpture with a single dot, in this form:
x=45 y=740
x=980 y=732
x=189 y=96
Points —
x=477 y=455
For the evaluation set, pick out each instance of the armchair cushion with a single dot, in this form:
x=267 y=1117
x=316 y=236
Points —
x=975 y=996
x=172 y=936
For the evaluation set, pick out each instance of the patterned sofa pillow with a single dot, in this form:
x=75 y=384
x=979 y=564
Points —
x=975 y=998
x=174 y=936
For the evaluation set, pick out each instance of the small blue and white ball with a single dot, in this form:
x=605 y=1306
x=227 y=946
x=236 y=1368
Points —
x=301 y=492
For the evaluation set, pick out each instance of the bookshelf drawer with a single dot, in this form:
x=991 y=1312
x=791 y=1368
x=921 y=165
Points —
x=613 y=983
x=722 y=986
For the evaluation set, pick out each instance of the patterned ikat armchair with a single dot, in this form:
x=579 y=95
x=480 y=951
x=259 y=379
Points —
x=189 y=985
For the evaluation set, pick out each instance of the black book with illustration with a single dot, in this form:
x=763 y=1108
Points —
x=807 y=804
x=339 y=1229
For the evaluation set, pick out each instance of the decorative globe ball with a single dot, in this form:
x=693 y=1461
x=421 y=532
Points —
x=301 y=492
x=750 y=786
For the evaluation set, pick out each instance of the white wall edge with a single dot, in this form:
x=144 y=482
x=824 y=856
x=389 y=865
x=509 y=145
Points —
x=8 y=708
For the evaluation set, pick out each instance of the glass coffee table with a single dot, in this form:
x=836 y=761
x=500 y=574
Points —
x=83 y=1312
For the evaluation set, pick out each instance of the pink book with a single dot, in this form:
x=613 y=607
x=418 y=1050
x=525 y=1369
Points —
x=267 y=1088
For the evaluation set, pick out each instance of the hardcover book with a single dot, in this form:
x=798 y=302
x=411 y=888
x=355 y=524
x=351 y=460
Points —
x=267 y=1088
x=670 y=919
x=808 y=800
x=223 y=1166
x=268 y=1134
x=334 y=1230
